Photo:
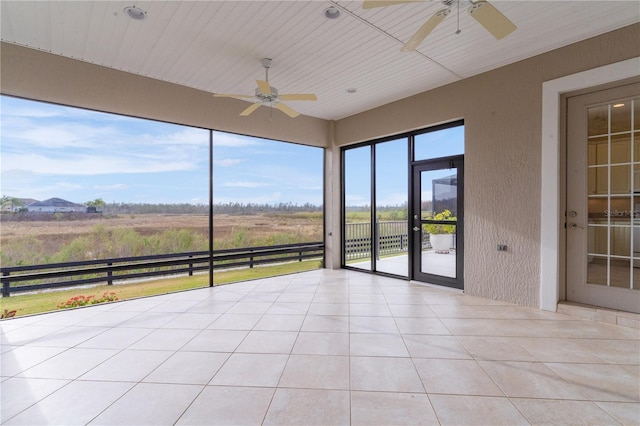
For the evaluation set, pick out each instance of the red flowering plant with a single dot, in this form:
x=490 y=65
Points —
x=81 y=300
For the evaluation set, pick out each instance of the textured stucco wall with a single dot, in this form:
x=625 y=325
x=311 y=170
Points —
x=502 y=110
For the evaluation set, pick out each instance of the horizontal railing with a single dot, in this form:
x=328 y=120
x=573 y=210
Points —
x=16 y=279
x=392 y=239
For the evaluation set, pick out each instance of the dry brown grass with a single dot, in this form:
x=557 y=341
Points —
x=48 y=237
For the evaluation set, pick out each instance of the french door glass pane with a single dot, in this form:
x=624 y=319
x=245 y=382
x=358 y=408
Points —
x=357 y=206
x=613 y=235
x=438 y=201
x=392 y=207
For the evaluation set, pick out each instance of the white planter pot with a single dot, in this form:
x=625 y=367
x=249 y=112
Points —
x=441 y=243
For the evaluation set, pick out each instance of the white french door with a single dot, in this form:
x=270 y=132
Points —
x=603 y=198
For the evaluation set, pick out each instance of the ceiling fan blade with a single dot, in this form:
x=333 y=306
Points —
x=299 y=97
x=491 y=19
x=370 y=4
x=287 y=110
x=425 y=29
x=264 y=87
x=249 y=110
x=226 y=95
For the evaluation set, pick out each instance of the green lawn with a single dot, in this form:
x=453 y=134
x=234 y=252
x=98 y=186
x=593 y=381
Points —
x=48 y=301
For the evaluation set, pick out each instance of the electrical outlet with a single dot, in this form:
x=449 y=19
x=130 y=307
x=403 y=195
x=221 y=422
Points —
x=502 y=247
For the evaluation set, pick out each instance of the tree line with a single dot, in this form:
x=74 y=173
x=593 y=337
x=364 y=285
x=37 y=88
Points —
x=222 y=208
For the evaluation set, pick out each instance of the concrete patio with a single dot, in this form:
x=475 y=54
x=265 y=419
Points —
x=324 y=347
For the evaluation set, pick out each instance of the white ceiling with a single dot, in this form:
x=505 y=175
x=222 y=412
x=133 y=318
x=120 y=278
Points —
x=216 y=46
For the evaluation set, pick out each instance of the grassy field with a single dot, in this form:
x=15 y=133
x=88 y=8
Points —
x=382 y=215
x=35 y=242
x=41 y=242
x=28 y=304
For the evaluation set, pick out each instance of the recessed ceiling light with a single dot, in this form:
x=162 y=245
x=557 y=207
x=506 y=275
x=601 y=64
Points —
x=352 y=90
x=331 y=12
x=135 y=13
x=618 y=105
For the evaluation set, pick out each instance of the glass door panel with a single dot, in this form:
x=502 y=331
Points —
x=437 y=222
x=391 y=226
x=357 y=248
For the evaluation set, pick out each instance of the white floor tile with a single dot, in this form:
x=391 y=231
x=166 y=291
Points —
x=225 y=405
x=323 y=347
x=69 y=364
x=18 y=394
x=89 y=400
x=149 y=404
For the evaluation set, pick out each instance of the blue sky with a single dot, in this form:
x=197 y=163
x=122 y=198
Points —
x=392 y=167
x=79 y=155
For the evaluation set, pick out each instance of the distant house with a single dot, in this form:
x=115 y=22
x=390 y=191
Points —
x=24 y=202
x=55 y=205
x=13 y=204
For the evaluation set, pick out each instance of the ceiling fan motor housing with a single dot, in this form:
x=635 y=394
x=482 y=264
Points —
x=265 y=97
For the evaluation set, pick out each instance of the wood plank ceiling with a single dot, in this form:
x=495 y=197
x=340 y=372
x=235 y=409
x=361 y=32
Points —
x=216 y=46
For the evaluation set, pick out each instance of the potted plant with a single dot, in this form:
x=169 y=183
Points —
x=441 y=235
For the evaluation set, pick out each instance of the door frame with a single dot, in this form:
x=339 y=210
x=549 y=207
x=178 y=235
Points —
x=415 y=243
x=577 y=226
x=551 y=207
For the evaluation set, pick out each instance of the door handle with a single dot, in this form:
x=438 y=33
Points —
x=415 y=228
x=575 y=226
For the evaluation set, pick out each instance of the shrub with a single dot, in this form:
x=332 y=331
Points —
x=433 y=228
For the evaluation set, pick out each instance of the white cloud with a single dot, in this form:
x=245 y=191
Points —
x=357 y=200
x=232 y=140
x=392 y=199
x=227 y=162
x=115 y=186
x=30 y=133
x=185 y=136
x=83 y=164
x=244 y=184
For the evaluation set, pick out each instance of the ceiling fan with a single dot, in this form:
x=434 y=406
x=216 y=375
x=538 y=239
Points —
x=481 y=10
x=267 y=95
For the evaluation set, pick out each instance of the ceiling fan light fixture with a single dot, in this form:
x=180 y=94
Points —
x=332 y=12
x=136 y=13
x=268 y=95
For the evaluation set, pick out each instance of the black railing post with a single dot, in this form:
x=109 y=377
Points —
x=6 y=289
x=110 y=275
x=300 y=256
x=190 y=267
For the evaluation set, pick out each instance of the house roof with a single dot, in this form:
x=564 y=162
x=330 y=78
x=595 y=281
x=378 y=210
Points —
x=55 y=202
x=352 y=63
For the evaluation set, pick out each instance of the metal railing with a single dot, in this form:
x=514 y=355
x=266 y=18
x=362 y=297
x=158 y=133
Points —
x=17 y=279
x=392 y=239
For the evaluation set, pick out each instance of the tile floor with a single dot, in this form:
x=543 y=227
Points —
x=323 y=347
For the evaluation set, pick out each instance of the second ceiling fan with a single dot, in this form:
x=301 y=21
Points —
x=481 y=10
x=265 y=94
